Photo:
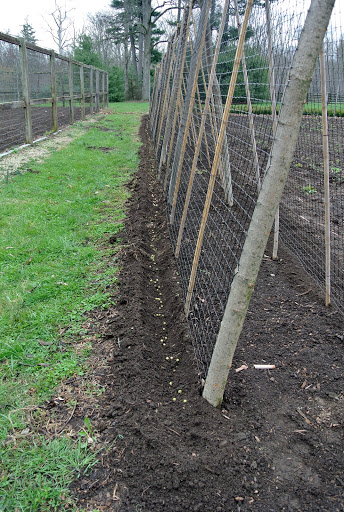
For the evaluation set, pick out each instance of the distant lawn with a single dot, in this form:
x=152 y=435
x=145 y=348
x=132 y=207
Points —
x=54 y=220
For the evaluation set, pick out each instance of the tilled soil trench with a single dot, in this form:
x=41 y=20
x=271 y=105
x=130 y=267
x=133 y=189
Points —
x=276 y=445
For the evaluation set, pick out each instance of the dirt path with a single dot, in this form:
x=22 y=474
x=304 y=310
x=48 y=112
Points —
x=276 y=445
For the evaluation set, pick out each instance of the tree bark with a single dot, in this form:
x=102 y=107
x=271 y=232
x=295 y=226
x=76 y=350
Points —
x=147 y=40
x=133 y=52
x=290 y=117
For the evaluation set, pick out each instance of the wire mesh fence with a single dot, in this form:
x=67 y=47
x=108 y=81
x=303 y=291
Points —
x=41 y=91
x=214 y=113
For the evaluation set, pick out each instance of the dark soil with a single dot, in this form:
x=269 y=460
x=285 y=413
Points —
x=277 y=444
x=12 y=123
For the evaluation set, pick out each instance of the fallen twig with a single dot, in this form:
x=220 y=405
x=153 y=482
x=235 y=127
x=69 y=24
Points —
x=70 y=417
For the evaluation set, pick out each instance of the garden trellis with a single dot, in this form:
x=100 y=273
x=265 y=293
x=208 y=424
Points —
x=42 y=91
x=217 y=99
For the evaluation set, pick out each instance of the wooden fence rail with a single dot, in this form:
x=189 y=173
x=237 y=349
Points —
x=45 y=77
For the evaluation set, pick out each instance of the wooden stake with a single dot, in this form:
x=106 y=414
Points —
x=326 y=180
x=71 y=91
x=53 y=91
x=187 y=115
x=24 y=67
x=209 y=95
x=249 y=105
x=217 y=156
x=170 y=62
x=242 y=286
x=97 y=90
x=91 y=91
x=176 y=91
x=82 y=91
x=273 y=111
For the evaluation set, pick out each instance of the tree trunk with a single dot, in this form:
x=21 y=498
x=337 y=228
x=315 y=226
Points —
x=290 y=117
x=147 y=40
x=140 y=63
x=133 y=52
x=126 y=69
x=179 y=12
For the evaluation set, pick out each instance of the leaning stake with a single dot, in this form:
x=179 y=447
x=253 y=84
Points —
x=268 y=200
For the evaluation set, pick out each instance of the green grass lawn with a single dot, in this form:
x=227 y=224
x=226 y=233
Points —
x=52 y=272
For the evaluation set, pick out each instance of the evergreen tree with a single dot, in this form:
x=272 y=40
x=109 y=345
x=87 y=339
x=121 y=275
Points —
x=28 y=32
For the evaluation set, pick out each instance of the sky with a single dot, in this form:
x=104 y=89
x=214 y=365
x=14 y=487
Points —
x=14 y=13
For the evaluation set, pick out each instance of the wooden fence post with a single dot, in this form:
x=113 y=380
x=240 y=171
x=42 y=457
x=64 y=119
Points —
x=71 y=91
x=103 y=89
x=82 y=91
x=24 y=67
x=217 y=156
x=326 y=180
x=91 y=91
x=53 y=91
x=97 y=90
x=209 y=95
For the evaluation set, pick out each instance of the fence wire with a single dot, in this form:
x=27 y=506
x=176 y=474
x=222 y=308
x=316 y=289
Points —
x=212 y=187
x=41 y=91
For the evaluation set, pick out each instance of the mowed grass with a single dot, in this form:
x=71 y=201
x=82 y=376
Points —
x=54 y=268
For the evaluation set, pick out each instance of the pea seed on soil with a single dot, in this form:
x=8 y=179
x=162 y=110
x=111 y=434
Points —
x=277 y=443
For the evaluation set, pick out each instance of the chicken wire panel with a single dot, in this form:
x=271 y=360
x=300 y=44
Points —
x=271 y=41
x=76 y=91
x=12 y=128
x=62 y=80
x=39 y=75
x=303 y=209
x=10 y=75
x=87 y=86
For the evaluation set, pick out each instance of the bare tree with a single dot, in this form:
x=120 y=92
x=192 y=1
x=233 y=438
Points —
x=59 y=27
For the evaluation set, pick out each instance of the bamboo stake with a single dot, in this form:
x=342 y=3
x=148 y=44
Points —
x=167 y=89
x=192 y=133
x=213 y=122
x=209 y=95
x=224 y=167
x=176 y=91
x=273 y=111
x=299 y=79
x=200 y=103
x=326 y=180
x=158 y=99
x=220 y=140
x=178 y=111
x=161 y=102
x=249 y=104
x=187 y=116
x=155 y=112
